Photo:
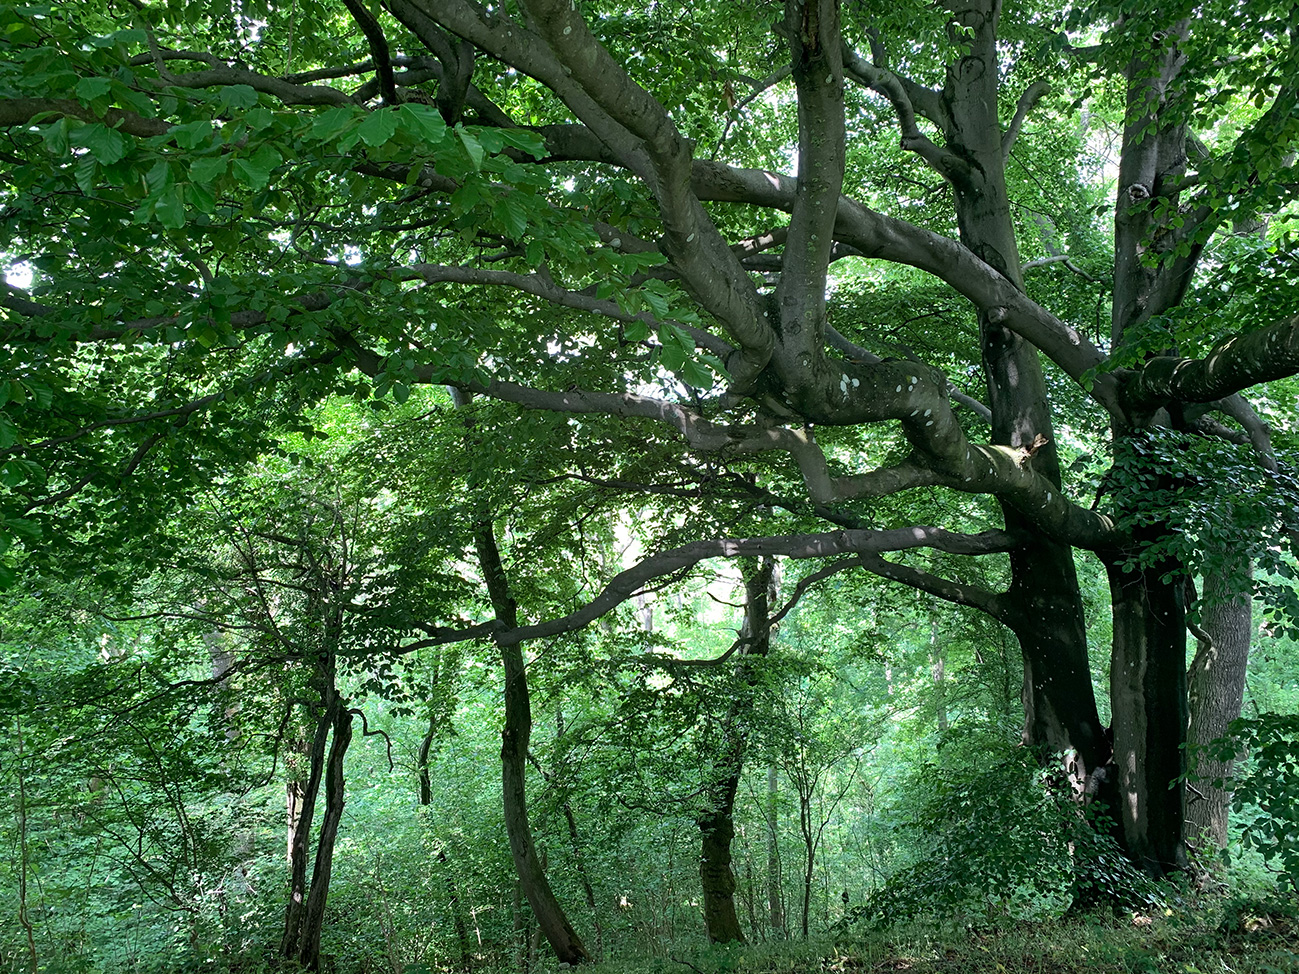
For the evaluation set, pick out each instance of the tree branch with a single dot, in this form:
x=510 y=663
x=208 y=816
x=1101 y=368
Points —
x=1031 y=96
x=21 y=111
x=378 y=48
x=626 y=584
x=884 y=82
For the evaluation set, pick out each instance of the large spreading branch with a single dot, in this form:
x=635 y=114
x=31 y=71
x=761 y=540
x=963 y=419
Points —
x=627 y=584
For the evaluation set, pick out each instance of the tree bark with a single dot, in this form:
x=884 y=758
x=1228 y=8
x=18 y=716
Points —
x=1148 y=702
x=775 y=890
x=313 y=915
x=1215 y=691
x=515 y=736
x=716 y=823
x=1060 y=713
x=301 y=812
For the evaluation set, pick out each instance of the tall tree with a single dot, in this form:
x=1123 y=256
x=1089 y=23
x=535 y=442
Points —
x=216 y=205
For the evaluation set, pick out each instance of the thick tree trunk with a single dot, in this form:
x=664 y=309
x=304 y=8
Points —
x=1148 y=702
x=717 y=829
x=1060 y=712
x=1215 y=691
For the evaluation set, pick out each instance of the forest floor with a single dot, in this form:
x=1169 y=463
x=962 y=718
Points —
x=1239 y=941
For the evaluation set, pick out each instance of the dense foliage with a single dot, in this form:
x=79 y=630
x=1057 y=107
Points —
x=484 y=486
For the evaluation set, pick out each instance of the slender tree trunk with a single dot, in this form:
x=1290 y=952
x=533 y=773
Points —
x=578 y=859
x=716 y=823
x=1148 y=702
x=1215 y=691
x=809 y=852
x=302 y=800
x=775 y=891
x=938 y=670
x=313 y=916
x=515 y=735
x=24 y=853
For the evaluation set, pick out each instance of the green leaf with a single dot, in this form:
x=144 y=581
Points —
x=423 y=122
x=88 y=89
x=673 y=357
x=191 y=134
x=333 y=122
x=208 y=169
x=170 y=210
x=696 y=375
x=56 y=137
x=472 y=146
x=237 y=97
x=512 y=215
x=106 y=145
x=379 y=126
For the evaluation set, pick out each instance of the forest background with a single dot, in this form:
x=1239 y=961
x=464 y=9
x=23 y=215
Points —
x=489 y=486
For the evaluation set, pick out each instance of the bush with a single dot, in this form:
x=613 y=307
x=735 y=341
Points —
x=1265 y=791
x=996 y=837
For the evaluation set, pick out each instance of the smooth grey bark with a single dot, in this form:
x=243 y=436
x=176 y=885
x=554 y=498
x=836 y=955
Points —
x=1148 y=663
x=1216 y=691
x=1060 y=713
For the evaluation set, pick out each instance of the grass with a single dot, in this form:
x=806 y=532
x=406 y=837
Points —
x=1245 y=940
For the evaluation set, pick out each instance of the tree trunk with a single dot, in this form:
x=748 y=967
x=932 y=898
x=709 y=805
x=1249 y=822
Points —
x=313 y=916
x=716 y=823
x=1148 y=702
x=302 y=801
x=515 y=734
x=775 y=891
x=938 y=670
x=1060 y=712
x=1215 y=691
x=514 y=762
x=716 y=830
x=578 y=859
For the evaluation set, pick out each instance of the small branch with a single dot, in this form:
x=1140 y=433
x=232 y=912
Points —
x=970 y=403
x=1031 y=96
x=886 y=83
x=770 y=81
x=1058 y=259
x=974 y=596
x=378 y=48
x=366 y=732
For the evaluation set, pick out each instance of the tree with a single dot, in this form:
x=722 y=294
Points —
x=228 y=214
